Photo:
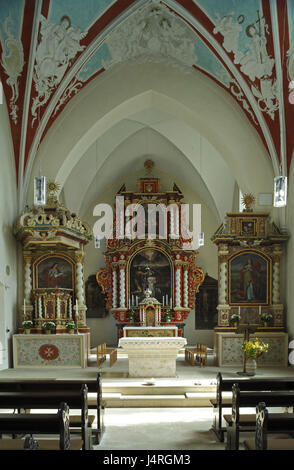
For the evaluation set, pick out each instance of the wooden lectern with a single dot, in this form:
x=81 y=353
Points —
x=246 y=329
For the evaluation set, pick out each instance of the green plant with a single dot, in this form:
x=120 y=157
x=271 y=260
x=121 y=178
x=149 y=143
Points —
x=253 y=349
x=266 y=317
x=168 y=315
x=132 y=316
x=27 y=324
x=70 y=325
x=235 y=318
x=49 y=325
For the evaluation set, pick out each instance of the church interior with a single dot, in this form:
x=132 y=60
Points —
x=146 y=213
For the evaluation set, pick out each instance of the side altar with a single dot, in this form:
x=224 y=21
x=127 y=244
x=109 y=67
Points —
x=250 y=248
x=159 y=259
x=53 y=241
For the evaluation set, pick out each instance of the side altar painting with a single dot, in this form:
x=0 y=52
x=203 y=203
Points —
x=54 y=272
x=152 y=280
x=249 y=279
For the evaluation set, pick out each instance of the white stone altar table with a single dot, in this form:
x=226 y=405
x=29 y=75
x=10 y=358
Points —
x=149 y=331
x=152 y=356
x=40 y=350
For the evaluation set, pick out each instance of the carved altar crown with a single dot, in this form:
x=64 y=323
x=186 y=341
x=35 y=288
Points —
x=51 y=224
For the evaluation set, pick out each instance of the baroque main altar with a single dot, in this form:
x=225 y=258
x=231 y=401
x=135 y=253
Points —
x=150 y=282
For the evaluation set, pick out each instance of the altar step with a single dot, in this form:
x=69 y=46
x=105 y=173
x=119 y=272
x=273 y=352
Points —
x=118 y=400
x=137 y=396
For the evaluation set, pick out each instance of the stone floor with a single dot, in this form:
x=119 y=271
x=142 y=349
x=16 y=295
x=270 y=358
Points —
x=168 y=428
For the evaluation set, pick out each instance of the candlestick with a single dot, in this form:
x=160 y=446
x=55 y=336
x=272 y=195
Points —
x=24 y=308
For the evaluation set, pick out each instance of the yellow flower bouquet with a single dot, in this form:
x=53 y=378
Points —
x=254 y=348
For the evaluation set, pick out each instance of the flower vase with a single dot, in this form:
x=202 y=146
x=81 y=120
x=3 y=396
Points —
x=250 y=366
x=27 y=331
x=47 y=332
x=265 y=324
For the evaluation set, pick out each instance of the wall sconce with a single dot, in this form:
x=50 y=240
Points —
x=40 y=190
x=280 y=191
x=201 y=239
x=97 y=242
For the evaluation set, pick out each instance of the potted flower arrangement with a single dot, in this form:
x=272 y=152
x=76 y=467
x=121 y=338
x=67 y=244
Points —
x=70 y=326
x=27 y=326
x=48 y=326
x=266 y=318
x=235 y=319
x=252 y=350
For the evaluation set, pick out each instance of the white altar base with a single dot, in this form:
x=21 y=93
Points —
x=50 y=351
x=152 y=356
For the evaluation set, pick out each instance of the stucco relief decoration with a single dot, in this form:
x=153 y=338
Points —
x=57 y=48
x=254 y=60
x=153 y=33
x=12 y=60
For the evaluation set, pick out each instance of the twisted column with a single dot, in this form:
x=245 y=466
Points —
x=178 y=285
x=122 y=286
x=276 y=281
x=185 y=287
x=114 y=287
x=27 y=279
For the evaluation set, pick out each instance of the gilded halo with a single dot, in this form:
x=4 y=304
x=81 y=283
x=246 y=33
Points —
x=248 y=200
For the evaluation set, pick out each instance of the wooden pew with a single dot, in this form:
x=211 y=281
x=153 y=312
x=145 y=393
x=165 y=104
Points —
x=44 y=423
x=199 y=353
x=28 y=443
x=38 y=395
x=271 y=423
x=64 y=386
x=245 y=383
x=249 y=399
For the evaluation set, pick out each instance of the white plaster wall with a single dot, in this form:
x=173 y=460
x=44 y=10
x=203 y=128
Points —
x=104 y=330
x=8 y=244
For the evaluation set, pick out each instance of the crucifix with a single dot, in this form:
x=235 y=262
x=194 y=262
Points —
x=246 y=329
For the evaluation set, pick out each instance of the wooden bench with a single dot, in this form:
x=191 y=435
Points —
x=198 y=354
x=38 y=395
x=44 y=423
x=271 y=423
x=94 y=401
x=102 y=351
x=250 y=384
x=101 y=354
x=248 y=399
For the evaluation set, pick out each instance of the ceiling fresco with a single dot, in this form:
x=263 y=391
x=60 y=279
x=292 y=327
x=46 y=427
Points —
x=51 y=49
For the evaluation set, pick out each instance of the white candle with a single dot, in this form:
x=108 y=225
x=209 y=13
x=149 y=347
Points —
x=166 y=301
x=77 y=309
x=239 y=310
x=260 y=310
x=24 y=308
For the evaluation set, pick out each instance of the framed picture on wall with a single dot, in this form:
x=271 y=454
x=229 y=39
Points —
x=206 y=305
x=249 y=278
x=95 y=299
